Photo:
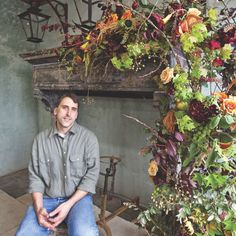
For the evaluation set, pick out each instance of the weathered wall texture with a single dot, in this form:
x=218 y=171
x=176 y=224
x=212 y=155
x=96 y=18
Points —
x=18 y=108
x=122 y=137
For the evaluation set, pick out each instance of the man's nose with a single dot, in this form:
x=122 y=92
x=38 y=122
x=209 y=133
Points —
x=68 y=112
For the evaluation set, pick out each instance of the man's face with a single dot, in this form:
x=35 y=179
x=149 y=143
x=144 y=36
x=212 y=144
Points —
x=66 y=114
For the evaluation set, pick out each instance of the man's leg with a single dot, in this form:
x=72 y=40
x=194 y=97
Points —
x=81 y=219
x=30 y=225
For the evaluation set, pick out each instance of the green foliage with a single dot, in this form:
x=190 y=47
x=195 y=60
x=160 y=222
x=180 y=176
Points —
x=188 y=42
x=185 y=123
x=226 y=52
x=125 y=62
x=199 y=32
x=212 y=14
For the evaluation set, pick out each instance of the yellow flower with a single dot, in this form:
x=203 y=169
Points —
x=84 y=46
x=167 y=75
x=88 y=37
x=153 y=168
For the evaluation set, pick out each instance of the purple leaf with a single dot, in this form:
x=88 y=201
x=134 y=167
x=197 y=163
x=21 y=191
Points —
x=171 y=148
x=145 y=35
x=179 y=136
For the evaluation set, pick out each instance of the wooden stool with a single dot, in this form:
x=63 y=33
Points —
x=110 y=171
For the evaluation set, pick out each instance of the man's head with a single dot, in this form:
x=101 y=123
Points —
x=66 y=112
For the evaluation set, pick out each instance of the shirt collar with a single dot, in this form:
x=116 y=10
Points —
x=54 y=131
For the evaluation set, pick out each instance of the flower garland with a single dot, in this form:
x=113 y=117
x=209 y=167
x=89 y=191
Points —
x=193 y=145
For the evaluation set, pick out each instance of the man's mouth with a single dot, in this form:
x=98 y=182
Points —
x=66 y=118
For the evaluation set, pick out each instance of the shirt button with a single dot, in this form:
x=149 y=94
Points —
x=65 y=176
x=64 y=164
x=64 y=152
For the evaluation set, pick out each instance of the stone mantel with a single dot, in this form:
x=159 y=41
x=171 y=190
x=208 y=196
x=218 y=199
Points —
x=50 y=79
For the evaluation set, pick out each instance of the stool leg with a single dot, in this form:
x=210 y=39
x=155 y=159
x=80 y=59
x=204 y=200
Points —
x=102 y=218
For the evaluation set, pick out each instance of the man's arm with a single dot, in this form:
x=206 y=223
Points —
x=89 y=181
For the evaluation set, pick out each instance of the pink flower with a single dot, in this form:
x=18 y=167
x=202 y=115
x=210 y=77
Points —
x=217 y=62
x=214 y=45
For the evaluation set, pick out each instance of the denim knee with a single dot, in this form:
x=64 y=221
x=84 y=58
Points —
x=84 y=230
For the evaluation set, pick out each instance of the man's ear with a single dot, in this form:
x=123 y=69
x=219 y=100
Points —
x=55 y=111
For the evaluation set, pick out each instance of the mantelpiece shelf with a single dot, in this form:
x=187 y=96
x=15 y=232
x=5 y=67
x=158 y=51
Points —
x=50 y=77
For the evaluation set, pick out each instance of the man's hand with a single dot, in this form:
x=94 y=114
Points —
x=43 y=220
x=59 y=214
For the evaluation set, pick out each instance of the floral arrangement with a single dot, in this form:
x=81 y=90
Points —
x=193 y=164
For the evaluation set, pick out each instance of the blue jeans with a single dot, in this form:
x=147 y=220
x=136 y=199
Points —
x=80 y=219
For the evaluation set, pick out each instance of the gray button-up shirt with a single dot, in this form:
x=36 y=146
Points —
x=61 y=165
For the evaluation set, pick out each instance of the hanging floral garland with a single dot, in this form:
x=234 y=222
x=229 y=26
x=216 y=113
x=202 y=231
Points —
x=193 y=164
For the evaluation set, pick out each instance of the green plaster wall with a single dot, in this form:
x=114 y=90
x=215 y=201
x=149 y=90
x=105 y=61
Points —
x=122 y=137
x=18 y=123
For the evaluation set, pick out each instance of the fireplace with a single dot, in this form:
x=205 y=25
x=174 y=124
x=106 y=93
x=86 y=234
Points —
x=51 y=79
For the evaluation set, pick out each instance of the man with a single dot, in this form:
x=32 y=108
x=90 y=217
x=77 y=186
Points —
x=63 y=172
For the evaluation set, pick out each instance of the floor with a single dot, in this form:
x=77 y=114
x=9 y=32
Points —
x=14 y=201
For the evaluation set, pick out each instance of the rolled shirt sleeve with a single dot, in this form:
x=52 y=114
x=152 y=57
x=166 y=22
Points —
x=89 y=181
x=36 y=184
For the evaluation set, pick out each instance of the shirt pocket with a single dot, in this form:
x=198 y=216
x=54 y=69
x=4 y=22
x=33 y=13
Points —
x=44 y=170
x=78 y=165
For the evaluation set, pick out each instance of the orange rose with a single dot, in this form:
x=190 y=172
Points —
x=169 y=121
x=127 y=15
x=220 y=95
x=153 y=168
x=167 y=75
x=191 y=19
x=229 y=105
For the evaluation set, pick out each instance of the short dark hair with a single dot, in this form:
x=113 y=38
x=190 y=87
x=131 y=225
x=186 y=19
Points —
x=73 y=96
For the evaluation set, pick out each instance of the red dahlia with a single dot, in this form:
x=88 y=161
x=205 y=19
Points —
x=199 y=112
